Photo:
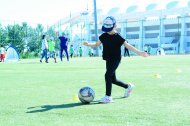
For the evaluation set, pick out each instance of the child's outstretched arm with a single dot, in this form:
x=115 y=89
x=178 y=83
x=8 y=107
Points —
x=132 y=48
x=92 y=44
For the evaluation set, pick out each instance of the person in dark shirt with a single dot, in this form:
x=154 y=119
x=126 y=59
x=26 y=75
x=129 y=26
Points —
x=112 y=42
x=63 y=46
x=126 y=52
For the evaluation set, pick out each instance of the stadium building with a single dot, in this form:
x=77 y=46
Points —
x=165 y=26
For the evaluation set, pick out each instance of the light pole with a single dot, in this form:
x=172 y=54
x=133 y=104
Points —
x=96 y=26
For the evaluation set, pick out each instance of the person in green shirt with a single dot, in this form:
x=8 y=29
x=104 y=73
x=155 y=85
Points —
x=71 y=51
x=146 y=48
x=80 y=52
x=51 y=48
x=90 y=52
x=149 y=48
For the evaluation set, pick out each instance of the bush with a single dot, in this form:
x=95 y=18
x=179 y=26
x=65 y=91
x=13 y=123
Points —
x=27 y=55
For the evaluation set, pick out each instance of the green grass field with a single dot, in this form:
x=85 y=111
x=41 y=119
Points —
x=35 y=94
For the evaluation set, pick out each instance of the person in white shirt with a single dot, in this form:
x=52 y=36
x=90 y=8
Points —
x=44 y=49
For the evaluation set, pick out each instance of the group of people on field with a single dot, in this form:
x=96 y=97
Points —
x=73 y=53
x=48 y=48
x=111 y=41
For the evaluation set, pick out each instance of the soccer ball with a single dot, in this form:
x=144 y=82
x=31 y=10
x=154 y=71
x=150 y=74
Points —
x=86 y=95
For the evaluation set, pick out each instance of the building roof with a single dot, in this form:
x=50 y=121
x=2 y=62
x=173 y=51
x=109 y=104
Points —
x=132 y=9
x=151 y=6
x=113 y=10
x=172 y=5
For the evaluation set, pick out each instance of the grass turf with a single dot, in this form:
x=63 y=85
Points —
x=40 y=94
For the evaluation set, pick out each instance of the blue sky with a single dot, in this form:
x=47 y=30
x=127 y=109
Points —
x=50 y=11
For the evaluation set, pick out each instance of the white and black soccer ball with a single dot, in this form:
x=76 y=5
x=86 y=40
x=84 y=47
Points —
x=86 y=95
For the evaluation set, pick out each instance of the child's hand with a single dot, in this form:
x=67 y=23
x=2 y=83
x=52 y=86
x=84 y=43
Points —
x=85 y=43
x=143 y=54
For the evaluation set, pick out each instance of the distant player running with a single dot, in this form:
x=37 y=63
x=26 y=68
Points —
x=112 y=42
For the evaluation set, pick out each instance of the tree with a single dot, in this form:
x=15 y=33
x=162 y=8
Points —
x=34 y=43
x=2 y=36
x=23 y=36
x=15 y=36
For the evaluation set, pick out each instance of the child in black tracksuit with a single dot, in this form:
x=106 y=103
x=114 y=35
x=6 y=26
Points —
x=112 y=42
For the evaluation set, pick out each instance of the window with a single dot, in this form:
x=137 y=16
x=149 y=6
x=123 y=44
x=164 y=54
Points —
x=132 y=29
x=188 y=25
x=172 y=26
x=92 y=31
x=151 y=35
x=154 y=45
x=188 y=44
x=154 y=27
x=188 y=33
x=132 y=36
x=93 y=38
x=172 y=34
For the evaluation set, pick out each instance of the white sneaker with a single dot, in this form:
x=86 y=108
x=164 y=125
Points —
x=128 y=90
x=106 y=99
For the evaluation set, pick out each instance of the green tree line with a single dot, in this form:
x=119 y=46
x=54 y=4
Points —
x=24 y=37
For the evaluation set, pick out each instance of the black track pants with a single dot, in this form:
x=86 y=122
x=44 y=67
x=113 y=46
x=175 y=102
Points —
x=110 y=76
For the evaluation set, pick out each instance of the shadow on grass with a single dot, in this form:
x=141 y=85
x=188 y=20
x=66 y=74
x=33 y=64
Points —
x=45 y=108
x=118 y=98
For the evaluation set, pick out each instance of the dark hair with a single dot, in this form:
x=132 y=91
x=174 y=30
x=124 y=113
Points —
x=43 y=36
